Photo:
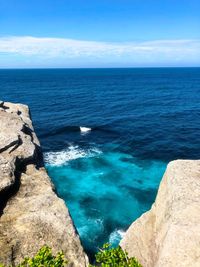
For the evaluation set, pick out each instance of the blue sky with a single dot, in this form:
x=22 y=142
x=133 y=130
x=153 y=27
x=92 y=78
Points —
x=99 y=33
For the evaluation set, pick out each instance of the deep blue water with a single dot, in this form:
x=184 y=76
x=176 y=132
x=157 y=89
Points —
x=140 y=120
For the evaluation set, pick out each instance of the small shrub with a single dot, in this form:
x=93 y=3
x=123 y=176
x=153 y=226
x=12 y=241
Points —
x=114 y=257
x=106 y=257
x=44 y=258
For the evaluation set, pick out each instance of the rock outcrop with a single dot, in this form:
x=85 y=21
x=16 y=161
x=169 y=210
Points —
x=31 y=214
x=169 y=234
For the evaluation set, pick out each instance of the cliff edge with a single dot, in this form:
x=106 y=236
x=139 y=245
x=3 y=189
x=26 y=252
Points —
x=169 y=234
x=31 y=214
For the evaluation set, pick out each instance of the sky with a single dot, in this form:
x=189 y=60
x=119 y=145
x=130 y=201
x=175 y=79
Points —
x=99 y=33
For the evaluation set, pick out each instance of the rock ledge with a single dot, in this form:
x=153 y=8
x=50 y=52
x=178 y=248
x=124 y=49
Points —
x=31 y=214
x=169 y=234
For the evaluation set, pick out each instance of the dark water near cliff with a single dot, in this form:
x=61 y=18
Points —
x=140 y=120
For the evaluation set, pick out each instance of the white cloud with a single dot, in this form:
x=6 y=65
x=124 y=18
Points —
x=61 y=48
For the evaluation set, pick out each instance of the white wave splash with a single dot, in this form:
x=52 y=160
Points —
x=116 y=236
x=71 y=153
x=85 y=129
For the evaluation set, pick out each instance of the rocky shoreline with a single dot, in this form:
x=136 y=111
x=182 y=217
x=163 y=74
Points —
x=169 y=234
x=31 y=213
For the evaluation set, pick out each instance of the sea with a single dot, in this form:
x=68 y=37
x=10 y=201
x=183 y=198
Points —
x=107 y=136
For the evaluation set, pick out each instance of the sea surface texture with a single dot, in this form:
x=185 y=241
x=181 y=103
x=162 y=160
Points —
x=107 y=136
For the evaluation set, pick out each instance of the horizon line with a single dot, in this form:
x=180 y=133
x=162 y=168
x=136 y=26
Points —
x=138 y=67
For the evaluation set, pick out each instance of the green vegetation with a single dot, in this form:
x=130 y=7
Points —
x=106 y=257
x=114 y=257
x=44 y=258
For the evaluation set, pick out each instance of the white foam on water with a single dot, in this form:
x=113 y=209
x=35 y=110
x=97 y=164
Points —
x=95 y=225
x=116 y=236
x=71 y=153
x=85 y=129
x=121 y=233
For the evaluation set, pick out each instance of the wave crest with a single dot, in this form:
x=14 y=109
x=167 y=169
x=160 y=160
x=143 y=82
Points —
x=85 y=129
x=116 y=236
x=71 y=153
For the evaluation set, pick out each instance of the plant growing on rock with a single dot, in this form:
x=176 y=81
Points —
x=44 y=258
x=114 y=257
x=106 y=257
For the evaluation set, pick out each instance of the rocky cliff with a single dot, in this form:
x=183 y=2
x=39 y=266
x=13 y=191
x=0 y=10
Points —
x=31 y=214
x=169 y=234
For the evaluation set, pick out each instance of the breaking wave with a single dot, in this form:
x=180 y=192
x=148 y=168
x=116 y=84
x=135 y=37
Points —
x=85 y=129
x=71 y=153
x=116 y=236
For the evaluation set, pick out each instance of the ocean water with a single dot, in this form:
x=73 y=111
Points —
x=139 y=120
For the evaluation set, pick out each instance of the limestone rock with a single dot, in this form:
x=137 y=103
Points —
x=169 y=234
x=31 y=214
x=7 y=177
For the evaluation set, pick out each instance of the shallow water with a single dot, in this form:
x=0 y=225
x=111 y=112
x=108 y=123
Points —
x=140 y=119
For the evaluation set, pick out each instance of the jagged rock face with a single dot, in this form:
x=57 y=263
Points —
x=31 y=214
x=169 y=234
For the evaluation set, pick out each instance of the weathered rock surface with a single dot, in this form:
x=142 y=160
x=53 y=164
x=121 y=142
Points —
x=169 y=234
x=31 y=214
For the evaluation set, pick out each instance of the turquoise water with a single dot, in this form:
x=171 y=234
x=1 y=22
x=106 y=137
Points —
x=104 y=189
x=140 y=119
